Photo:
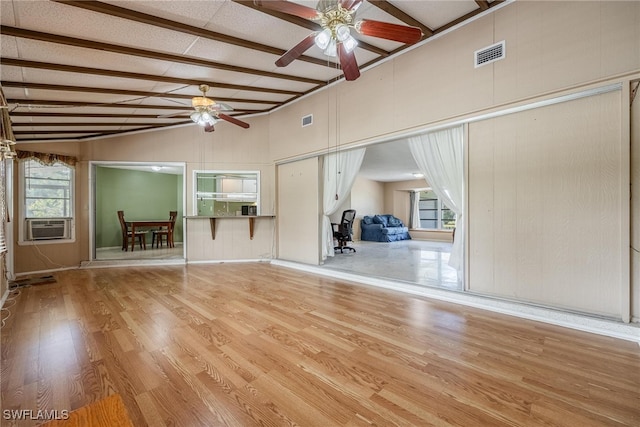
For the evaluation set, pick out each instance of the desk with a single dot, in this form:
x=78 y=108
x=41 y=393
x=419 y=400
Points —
x=132 y=225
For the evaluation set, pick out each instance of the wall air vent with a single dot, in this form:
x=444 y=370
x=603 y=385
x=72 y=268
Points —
x=489 y=54
x=307 y=120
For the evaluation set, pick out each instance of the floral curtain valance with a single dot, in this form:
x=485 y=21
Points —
x=47 y=158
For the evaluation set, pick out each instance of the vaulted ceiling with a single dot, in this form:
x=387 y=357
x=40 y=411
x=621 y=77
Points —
x=73 y=70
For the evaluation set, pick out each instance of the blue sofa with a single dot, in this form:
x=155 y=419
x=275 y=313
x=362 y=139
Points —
x=383 y=228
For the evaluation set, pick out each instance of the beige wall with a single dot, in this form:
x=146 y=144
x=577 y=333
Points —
x=299 y=211
x=438 y=82
x=548 y=206
x=551 y=47
x=367 y=198
x=225 y=149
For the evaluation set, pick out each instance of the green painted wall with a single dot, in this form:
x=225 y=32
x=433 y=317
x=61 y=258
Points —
x=141 y=195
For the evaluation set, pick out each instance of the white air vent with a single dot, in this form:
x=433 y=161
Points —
x=47 y=229
x=489 y=54
x=307 y=120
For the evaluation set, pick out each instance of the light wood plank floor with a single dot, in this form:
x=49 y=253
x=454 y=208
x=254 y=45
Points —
x=257 y=344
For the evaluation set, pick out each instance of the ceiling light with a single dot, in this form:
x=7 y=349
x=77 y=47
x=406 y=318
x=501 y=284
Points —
x=342 y=32
x=331 y=50
x=323 y=38
x=336 y=29
x=350 y=43
x=206 y=108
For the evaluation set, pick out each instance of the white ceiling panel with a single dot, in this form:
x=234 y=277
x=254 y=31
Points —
x=69 y=21
x=196 y=13
x=81 y=57
x=435 y=14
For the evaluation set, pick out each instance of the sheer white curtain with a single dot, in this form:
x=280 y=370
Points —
x=439 y=156
x=340 y=170
x=414 y=216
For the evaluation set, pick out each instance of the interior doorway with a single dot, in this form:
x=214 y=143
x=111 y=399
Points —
x=144 y=191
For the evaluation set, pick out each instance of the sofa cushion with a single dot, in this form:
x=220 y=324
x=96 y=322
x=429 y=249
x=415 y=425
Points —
x=394 y=222
x=367 y=220
x=379 y=219
x=394 y=230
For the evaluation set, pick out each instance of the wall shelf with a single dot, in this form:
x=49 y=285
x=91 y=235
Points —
x=214 y=219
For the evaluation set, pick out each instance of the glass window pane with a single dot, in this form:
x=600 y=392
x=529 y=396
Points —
x=428 y=224
x=429 y=215
x=224 y=193
x=47 y=190
x=428 y=204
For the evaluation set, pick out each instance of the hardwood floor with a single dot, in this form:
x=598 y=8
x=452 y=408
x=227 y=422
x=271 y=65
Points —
x=257 y=344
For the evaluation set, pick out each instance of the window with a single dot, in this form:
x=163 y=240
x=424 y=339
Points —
x=226 y=193
x=434 y=214
x=46 y=194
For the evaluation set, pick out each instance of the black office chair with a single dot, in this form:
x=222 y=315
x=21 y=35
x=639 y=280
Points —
x=343 y=232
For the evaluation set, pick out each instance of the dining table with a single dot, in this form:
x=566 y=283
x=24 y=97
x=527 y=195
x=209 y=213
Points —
x=132 y=225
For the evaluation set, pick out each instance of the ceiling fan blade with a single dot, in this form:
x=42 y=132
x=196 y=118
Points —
x=385 y=30
x=348 y=63
x=289 y=8
x=295 y=52
x=219 y=106
x=234 y=121
x=208 y=128
x=350 y=4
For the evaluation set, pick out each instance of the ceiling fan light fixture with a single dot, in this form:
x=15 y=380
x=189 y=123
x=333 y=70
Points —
x=206 y=117
x=195 y=116
x=343 y=32
x=350 y=43
x=331 y=49
x=323 y=38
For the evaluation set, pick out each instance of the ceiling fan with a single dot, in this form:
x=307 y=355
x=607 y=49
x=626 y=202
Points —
x=337 y=18
x=208 y=112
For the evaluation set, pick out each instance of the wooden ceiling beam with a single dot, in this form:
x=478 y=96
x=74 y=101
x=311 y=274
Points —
x=138 y=93
x=92 y=124
x=43 y=103
x=143 y=53
x=76 y=132
x=87 y=115
x=132 y=15
x=138 y=76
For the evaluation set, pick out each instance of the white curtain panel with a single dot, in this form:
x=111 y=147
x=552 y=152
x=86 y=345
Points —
x=415 y=209
x=439 y=156
x=340 y=170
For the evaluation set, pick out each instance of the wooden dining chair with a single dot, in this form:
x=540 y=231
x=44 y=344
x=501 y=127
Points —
x=156 y=238
x=126 y=234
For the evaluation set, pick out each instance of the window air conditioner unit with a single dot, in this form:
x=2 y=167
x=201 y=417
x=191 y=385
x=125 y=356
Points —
x=48 y=229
